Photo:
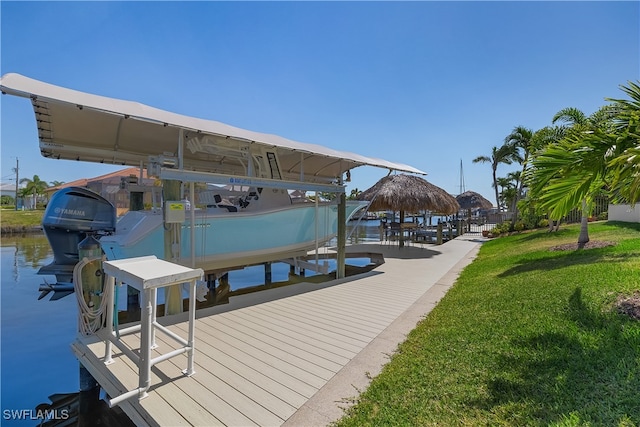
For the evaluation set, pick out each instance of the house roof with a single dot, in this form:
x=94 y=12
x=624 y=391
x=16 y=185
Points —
x=11 y=187
x=84 y=182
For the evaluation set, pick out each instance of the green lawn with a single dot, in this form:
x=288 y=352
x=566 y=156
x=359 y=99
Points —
x=526 y=337
x=10 y=218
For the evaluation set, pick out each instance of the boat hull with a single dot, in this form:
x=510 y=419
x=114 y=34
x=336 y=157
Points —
x=222 y=240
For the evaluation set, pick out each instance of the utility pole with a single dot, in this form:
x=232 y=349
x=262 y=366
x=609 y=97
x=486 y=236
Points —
x=17 y=181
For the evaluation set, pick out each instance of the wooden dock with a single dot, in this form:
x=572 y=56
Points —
x=263 y=356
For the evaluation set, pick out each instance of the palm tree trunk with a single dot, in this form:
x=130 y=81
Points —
x=519 y=190
x=495 y=187
x=584 y=226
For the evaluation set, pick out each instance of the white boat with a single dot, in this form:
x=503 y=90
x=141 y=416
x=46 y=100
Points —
x=230 y=236
x=264 y=225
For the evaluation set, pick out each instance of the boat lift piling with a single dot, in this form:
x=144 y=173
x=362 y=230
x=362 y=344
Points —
x=172 y=235
x=92 y=287
x=135 y=204
x=342 y=235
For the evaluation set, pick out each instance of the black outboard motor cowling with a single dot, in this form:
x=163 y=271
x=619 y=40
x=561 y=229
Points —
x=71 y=215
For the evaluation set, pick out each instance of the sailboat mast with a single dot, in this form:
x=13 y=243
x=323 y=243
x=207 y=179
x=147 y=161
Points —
x=462 y=188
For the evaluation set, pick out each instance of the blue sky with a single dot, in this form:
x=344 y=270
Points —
x=424 y=83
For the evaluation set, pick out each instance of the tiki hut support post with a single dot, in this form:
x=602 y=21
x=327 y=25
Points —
x=400 y=232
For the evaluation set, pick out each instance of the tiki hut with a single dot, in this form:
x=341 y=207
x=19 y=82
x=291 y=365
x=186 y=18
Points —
x=471 y=200
x=408 y=193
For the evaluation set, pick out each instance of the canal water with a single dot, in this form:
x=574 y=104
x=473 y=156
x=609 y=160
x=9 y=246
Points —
x=36 y=360
x=35 y=356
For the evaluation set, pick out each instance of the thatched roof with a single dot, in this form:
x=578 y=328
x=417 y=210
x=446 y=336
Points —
x=409 y=193
x=471 y=199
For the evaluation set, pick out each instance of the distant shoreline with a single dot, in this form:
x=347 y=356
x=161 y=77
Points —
x=9 y=230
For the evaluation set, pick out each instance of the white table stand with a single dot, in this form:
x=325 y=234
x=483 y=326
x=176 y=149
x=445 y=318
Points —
x=147 y=274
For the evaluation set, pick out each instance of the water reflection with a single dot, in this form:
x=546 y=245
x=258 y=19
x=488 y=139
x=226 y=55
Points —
x=29 y=251
x=36 y=358
x=364 y=231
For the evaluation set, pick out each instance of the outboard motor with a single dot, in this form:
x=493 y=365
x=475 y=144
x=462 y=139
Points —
x=72 y=214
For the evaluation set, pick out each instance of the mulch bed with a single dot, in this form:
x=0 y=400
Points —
x=592 y=244
x=629 y=305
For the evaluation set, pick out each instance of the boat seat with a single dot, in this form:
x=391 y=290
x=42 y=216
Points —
x=229 y=208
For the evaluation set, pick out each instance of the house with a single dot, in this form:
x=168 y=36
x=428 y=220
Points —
x=8 y=190
x=119 y=188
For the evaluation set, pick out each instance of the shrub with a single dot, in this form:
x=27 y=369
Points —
x=531 y=219
x=519 y=226
x=544 y=223
x=505 y=227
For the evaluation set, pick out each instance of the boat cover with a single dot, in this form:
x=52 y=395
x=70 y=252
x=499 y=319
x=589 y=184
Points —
x=80 y=126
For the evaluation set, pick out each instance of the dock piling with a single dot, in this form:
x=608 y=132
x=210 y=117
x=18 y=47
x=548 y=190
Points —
x=267 y=273
x=88 y=398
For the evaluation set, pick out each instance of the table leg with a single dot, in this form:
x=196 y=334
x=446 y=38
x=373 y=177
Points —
x=154 y=309
x=192 y=321
x=145 y=343
x=111 y=285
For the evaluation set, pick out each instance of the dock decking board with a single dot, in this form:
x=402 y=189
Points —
x=239 y=348
x=298 y=358
x=275 y=384
x=343 y=342
x=366 y=313
x=259 y=363
x=325 y=326
x=278 y=329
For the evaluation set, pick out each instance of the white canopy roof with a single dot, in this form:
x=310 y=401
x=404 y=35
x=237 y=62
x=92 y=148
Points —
x=81 y=126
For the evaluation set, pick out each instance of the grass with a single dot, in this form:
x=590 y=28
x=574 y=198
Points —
x=526 y=337
x=12 y=220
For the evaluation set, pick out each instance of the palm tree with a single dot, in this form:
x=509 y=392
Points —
x=548 y=135
x=523 y=139
x=506 y=154
x=626 y=166
x=354 y=194
x=572 y=171
x=507 y=190
x=570 y=116
x=34 y=187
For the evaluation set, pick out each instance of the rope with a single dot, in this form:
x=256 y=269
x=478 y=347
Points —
x=89 y=318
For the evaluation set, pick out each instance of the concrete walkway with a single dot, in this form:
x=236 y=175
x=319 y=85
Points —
x=330 y=402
